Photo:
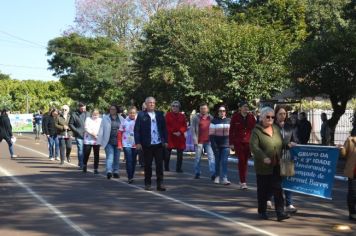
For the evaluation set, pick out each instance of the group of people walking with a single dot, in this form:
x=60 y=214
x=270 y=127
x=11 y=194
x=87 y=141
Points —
x=153 y=135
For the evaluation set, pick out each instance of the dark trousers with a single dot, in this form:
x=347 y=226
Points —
x=351 y=195
x=268 y=185
x=140 y=158
x=153 y=152
x=87 y=151
x=167 y=158
x=65 y=147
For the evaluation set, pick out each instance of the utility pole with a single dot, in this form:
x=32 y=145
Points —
x=27 y=104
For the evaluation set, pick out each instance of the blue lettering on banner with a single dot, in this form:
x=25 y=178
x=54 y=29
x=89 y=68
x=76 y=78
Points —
x=315 y=168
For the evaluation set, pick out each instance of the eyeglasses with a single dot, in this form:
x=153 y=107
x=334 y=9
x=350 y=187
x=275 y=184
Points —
x=270 y=117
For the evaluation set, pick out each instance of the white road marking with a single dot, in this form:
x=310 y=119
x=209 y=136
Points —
x=208 y=212
x=44 y=202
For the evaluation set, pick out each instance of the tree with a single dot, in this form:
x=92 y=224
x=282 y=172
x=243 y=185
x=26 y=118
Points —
x=195 y=54
x=38 y=95
x=4 y=77
x=326 y=62
x=91 y=69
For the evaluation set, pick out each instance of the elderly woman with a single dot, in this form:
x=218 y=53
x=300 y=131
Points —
x=176 y=128
x=266 y=146
x=64 y=134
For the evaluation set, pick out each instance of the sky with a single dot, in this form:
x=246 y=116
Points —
x=25 y=28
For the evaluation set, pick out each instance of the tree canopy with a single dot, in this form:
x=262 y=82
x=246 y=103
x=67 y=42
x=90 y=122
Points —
x=197 y=55
x=91 y=69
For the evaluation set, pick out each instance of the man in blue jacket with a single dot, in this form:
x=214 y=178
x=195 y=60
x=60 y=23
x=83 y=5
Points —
x=151 y=136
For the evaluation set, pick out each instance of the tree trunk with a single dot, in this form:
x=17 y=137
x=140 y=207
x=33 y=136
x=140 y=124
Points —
x=339 y=107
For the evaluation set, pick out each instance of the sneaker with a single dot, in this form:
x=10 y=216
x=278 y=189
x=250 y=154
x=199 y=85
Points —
x=217 y=180
x=291 y=209
x=243 y=186
x=269 y=205
x=197 y=176
x=109 y=175
x=96 y=172
x=13 y=156
x=57 y=158
x=226 y=181
x=51 y=159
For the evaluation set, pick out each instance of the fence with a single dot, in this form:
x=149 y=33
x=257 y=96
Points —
x=343 y=128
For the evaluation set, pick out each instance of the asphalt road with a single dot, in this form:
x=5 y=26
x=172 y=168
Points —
x=40 y=197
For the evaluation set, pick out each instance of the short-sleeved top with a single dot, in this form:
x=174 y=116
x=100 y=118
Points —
x=38 y=119
x=127 y=128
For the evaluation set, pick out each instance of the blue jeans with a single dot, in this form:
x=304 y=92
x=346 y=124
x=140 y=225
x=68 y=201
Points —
x=130 y=155
x=221 y=156
x=112 y=158
x=80 y=151
x=288 y=196
x=53 y=143
x=198 y=154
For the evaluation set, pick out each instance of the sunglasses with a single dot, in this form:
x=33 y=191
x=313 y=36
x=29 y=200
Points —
x=270 y=117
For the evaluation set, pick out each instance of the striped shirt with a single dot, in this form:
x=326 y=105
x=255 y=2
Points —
x=219 y=132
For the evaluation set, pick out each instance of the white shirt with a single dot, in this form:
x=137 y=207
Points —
x=155 y=138
x=127 y=128
x=91 y=127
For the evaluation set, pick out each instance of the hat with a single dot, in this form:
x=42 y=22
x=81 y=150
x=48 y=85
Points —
x=242 y=103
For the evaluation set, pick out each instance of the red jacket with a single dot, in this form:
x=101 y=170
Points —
x=240 y=129
x=176 y=122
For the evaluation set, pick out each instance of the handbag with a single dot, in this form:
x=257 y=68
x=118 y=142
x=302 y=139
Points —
x=286 y=164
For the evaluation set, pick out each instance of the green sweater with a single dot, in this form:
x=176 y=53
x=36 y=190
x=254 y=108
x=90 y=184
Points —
x=262 y=146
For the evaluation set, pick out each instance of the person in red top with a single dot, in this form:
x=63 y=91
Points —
x=241 y=126
x=176 y=127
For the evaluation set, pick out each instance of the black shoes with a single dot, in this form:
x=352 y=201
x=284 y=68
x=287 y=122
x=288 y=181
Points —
x=148 y=187
x=282 y=216
x=212 y=177
x=109 y=175
x=84 y=169
x=263 y=216
x=130 y=181
x=197 y=177
x=161 y=187
x=68 y=159
x=96 y=172
x=116 y=176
